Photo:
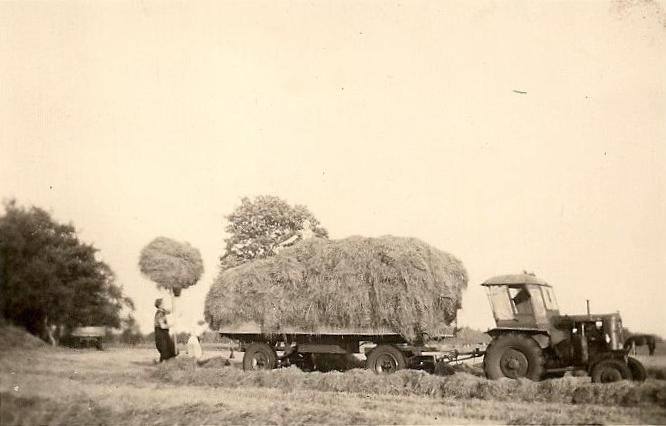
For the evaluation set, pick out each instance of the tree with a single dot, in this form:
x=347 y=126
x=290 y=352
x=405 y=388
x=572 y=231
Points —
x=52 y=281
x=259 y=227
x=131 y=334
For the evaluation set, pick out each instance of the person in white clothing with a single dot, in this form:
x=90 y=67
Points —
x=194 y=342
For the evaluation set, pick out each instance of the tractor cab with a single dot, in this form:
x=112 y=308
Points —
x=521 y=301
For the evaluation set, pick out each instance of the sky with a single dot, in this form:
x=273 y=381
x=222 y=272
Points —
x=516 y=135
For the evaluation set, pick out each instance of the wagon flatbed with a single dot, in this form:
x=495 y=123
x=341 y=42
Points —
x=386 y=350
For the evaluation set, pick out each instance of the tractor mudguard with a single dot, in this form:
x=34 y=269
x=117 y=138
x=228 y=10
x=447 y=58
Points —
x=542 y=340
x=540 y=336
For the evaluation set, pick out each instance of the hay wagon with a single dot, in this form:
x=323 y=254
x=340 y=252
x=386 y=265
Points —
x=386 y=351
x=294 y=299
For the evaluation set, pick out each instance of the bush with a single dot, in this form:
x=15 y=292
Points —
x=12 y=338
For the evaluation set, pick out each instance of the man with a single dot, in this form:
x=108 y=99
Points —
x=163 y=340
x=522 y=302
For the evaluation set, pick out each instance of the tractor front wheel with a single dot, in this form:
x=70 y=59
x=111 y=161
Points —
x=513 y=355
x=610 y=370
x=259 y=356
x=638 y=372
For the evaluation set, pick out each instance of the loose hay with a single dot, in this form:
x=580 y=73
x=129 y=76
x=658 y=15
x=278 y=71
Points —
x=410 y=382
x=215 y=362
x=402 y=284
x=171 y=264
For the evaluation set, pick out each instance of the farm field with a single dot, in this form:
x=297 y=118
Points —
x=123 y=386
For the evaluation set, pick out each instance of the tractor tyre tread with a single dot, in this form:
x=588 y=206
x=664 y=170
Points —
x=638 y=372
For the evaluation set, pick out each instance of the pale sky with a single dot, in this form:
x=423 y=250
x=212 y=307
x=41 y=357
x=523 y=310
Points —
x=139 y=119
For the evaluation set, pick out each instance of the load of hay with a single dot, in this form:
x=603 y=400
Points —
x=171 y=264
x=401 y=284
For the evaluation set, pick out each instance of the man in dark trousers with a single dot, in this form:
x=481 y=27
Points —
x=162 y=337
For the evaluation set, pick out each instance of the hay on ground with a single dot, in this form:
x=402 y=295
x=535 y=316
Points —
x=401 y=284
x=568 y=390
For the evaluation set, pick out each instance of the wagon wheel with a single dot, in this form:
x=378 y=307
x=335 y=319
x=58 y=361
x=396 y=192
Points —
x=386 y=359
x=513 y=355
x=610 y=370
x=259 y=356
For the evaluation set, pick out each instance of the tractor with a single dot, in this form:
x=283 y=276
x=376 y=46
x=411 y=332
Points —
x=533 y=340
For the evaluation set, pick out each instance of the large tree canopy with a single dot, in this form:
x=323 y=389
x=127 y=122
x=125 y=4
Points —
x=171 y=264
x=50 y=278
x=258 y=227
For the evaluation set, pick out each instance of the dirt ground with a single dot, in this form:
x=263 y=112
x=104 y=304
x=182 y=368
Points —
x=121 y=386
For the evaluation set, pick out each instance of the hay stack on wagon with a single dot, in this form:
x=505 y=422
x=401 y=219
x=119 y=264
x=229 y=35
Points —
x=401 y=284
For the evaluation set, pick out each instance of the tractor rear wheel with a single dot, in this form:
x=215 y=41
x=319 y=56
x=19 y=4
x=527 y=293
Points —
x=386 y=359
x=259 y=356
x=513 y=355
x=610 y=370
x=638 y=372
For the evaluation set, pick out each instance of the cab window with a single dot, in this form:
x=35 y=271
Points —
x=538 y=302
x=549 y=298
x=521 y=300
x=500 y=302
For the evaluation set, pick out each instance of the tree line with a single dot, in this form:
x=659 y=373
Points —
x=51 y=281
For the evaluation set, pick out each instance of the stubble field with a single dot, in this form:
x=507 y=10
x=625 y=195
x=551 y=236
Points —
x=123 y=386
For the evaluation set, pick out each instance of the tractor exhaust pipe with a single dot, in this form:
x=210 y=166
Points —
x=587 y=301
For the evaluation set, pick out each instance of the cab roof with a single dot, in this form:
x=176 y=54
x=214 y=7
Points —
x=515 y=279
